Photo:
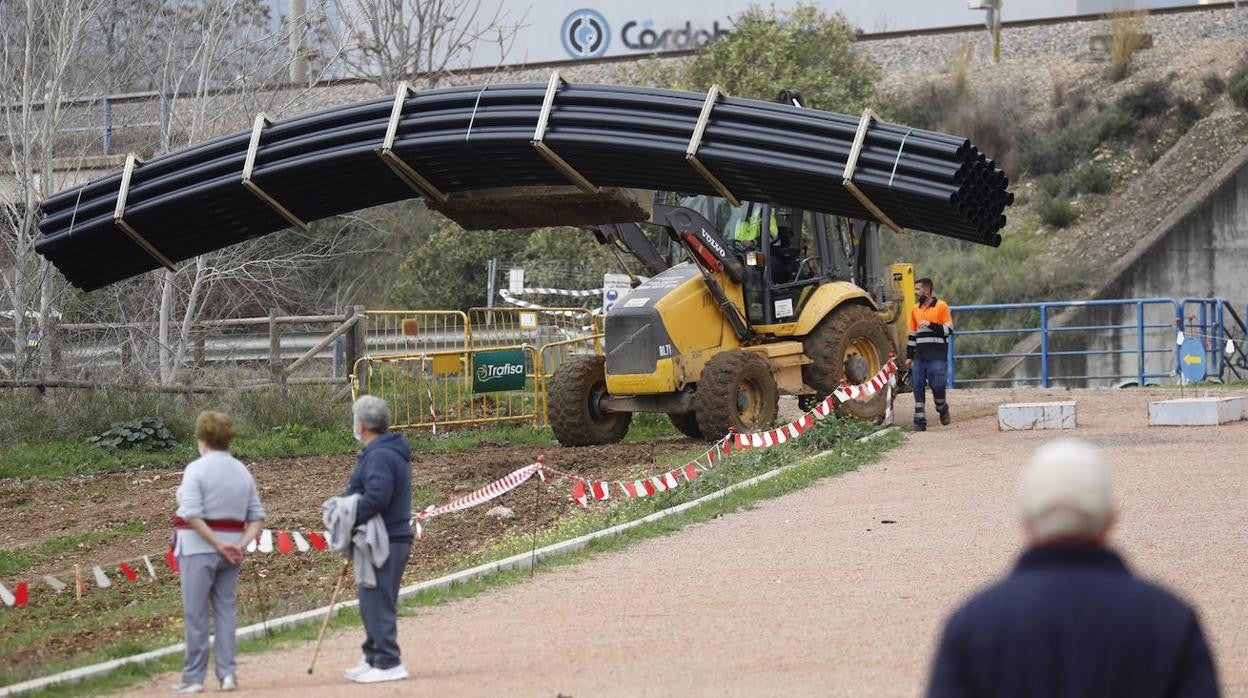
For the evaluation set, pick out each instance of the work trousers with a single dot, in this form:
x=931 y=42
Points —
x=925 y=374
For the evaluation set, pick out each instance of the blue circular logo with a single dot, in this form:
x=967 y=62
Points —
x=585 y=34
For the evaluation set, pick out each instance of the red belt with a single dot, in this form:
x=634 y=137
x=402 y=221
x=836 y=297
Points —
x=214 y=524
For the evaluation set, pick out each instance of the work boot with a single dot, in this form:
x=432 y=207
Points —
x=944 y=418
x=920 y=427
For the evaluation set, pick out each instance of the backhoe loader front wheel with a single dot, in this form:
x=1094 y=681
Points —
x=687 y=423
x=573 y=397
x=736 y=391
x=851 y=342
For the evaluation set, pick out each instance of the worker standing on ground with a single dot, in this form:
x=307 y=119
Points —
x=927 y=352
x=383 y=482
x=1070 y=619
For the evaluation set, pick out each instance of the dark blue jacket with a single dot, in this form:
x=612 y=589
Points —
x=1072 y=621
x=383 y=478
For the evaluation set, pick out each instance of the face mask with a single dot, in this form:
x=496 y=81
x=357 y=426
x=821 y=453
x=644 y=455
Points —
x=357 y=433
x=922 y=298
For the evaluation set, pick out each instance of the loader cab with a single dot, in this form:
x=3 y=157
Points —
x=787 y=253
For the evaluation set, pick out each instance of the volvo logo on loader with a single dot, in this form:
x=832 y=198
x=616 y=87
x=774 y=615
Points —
x=710 y=241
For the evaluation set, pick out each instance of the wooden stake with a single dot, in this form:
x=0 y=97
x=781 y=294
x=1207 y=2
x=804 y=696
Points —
x=77 y=583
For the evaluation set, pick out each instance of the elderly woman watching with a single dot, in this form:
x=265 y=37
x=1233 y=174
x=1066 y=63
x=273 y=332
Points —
x=219 y=514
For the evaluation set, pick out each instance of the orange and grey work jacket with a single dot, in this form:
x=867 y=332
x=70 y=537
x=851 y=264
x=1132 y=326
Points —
x=930 y=343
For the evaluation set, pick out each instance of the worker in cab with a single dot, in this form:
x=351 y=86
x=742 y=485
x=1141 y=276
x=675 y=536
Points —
x=927 y=352
x=745 y=226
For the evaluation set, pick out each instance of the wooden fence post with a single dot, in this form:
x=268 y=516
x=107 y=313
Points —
x=356 y=339
x=275 y=352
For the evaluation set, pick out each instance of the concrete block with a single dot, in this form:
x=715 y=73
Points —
x=1022 y=416
x=1195 y=411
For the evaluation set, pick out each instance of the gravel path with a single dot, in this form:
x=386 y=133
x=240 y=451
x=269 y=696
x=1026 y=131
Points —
x=838 y=590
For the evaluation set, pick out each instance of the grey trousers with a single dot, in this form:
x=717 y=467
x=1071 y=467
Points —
x=207 y=578
x=379 y=609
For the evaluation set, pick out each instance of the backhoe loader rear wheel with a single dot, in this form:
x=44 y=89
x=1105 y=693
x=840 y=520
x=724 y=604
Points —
x=574 y=395
x=736 y=390
x=687 y=423
x=851 y=342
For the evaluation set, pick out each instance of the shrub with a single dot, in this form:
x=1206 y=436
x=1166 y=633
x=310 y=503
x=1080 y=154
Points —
x=144 y=434
x=961 y=67
x=1239 y=92
x=1213 y=84
x=1147 y=99
x=1045 y=153
x=1186 y=114
x=1048 y=186
x=1056 y=212
x=1126 y=37
x=1117 y=124
x=1094 y=179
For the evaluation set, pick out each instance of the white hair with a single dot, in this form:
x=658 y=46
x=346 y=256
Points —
x=372 y=413
x=1066 y=491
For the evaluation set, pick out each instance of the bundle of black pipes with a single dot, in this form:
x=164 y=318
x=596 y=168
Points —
x=473 y=138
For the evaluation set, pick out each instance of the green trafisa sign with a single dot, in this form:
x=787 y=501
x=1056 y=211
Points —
x=493 y=371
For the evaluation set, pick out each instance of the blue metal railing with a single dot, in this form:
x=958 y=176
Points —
x=1215 y=322
x=108 y=124
x=1136 y=332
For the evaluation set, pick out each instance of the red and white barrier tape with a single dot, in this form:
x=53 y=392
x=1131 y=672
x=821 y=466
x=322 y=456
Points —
x=584 y=490
x=493 y=490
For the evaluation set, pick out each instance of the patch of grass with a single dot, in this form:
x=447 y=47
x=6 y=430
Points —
x=59 y=459
x=828 y=450
x=66 y=415
x=14 y=562
x=294 y=441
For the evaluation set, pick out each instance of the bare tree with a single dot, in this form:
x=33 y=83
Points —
x=40 y=43
x=426 y=42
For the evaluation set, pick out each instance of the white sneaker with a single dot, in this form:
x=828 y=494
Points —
x=357 y=670
x=188 y=687
x=375 y=675
x=229 y=683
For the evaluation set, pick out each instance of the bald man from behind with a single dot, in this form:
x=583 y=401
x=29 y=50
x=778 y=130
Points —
x=1071 y=619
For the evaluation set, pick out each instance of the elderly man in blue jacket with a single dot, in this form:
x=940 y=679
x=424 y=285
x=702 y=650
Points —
x=1071 y=620
x=383 y=479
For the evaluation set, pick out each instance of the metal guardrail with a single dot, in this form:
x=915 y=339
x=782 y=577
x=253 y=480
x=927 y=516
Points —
x=1145 y=335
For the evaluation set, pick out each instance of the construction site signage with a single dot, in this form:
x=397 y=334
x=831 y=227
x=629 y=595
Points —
x=614 y=287
x=497 y=371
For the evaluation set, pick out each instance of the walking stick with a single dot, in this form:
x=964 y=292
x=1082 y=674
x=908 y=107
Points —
x=325 y=624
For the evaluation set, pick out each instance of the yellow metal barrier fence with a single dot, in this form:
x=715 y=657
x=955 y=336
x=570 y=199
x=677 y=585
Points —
x=408 y=332
x=494 y=327
x=437 y=388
